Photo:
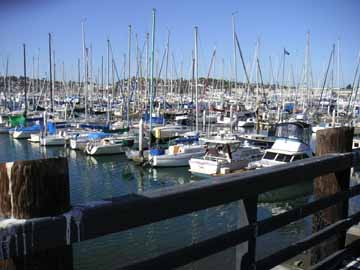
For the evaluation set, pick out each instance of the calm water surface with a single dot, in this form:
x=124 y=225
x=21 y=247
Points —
x=110 y=176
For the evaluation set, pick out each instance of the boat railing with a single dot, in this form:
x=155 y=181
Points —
x=96 y=219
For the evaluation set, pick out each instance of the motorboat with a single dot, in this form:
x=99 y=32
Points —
x=52 y=140
x=292 y=142
x=109 y=146
x=79 y=140
x=260 y=140
x=223 y=157
x=178 y=155
x=169 y=131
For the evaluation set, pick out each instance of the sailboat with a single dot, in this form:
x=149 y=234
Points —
x=110 y=145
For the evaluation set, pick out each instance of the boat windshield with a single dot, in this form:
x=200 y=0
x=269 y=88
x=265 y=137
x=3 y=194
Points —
x=296 y=131
x=283 y=157
x=269 y=155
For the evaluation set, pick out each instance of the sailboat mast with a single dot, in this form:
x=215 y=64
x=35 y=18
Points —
x=167 y=64
x=307 y=55
x=85 y=68
x=234 y=51
x=54 y=78
x=102 y=76
x=147 y=68
x=196 y=81
x=129 y=77
x=6 y=82
x=108 y=82
x=283 y=93
x=25 y=86
x=50 y=74
x=152 y=72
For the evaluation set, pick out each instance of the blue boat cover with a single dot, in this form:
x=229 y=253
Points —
x=98 y=135
x=190 y=139
x=157 y=152
x=51 y=128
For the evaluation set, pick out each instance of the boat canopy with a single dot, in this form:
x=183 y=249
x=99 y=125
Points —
x=190 y=139
x=294 y=130
x=97 y=135
x=17 y=120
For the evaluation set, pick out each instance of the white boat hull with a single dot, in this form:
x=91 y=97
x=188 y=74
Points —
x=20 y=134
x=179 y=160
x=52 y=141
x=34 y=138
x=211 y=167
x=78 y=144
x=104 y=150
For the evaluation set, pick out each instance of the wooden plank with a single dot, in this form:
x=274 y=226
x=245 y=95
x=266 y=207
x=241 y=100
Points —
x=196 y=251
x=276 y=222
x=96 y=219
x=300 y=246
x=249 y=259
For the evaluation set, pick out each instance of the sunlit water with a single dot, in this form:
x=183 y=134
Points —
x=110 y=176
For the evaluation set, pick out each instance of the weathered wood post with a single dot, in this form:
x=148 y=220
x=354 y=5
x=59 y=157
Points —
x=33 y=189
x=248 y=262
x=334 y=140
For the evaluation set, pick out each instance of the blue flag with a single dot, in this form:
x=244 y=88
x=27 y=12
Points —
x=286 y=52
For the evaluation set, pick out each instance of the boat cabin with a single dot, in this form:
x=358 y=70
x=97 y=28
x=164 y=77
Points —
x=299 y=131
x=284 y=157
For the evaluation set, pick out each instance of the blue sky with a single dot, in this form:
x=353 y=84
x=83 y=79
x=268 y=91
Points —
x=277 y=23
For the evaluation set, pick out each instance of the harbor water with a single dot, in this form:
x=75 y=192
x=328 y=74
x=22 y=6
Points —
x=95 y=178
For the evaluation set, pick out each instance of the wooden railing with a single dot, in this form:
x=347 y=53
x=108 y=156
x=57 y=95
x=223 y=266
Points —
x=95 y=219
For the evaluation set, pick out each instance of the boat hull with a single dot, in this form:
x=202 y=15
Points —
x=179 y=160
x=52 y=141
x=104 y=150
x=210 y=167
x=23 y=134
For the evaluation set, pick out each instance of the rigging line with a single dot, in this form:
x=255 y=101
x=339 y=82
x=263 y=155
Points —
x=326 y=74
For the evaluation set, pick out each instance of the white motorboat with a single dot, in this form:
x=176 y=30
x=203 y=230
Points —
x=292 y=143
x=169 y=131
x=79 y=141
x=259 y=140
x=109 y=146
x=52 y=140
x=225 y=156
x=177 y=155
